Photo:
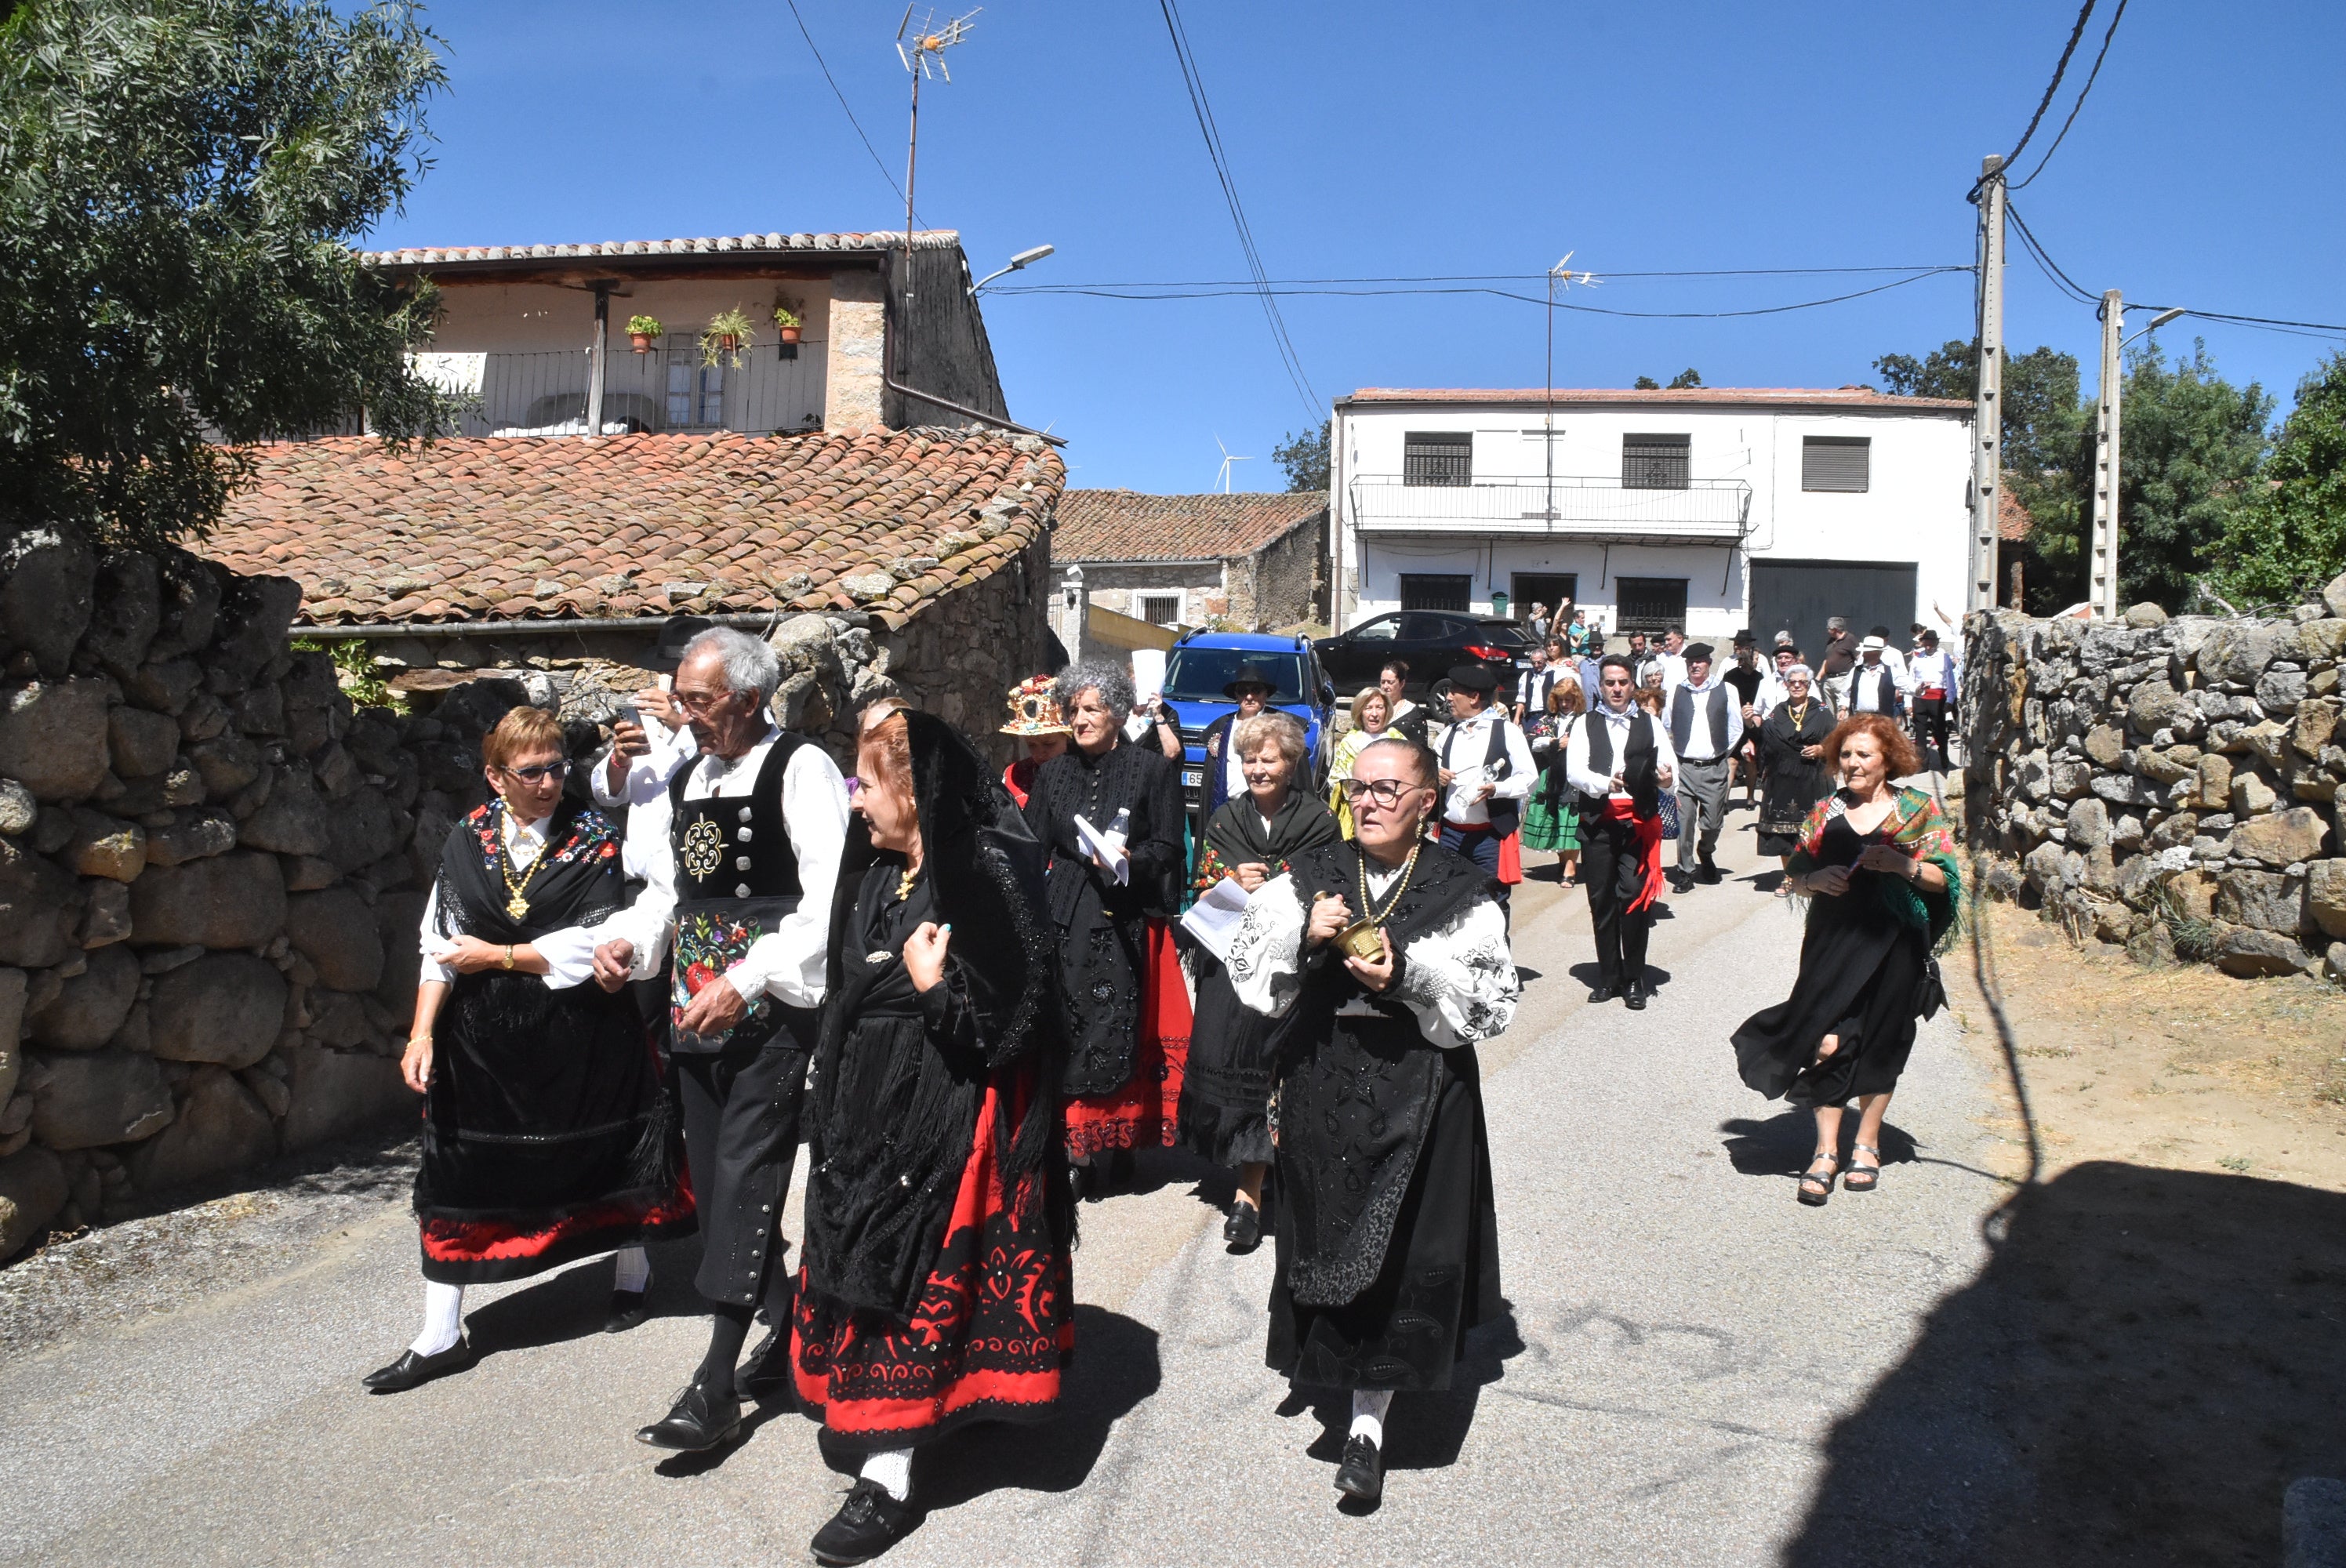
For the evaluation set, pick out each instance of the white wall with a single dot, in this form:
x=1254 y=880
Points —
x=1914 y=509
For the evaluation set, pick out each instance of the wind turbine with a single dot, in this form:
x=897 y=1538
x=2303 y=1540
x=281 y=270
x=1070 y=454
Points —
x=1229 y=457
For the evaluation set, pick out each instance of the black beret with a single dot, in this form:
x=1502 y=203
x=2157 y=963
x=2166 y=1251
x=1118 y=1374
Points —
x=1475 y=677
x=1698 y=651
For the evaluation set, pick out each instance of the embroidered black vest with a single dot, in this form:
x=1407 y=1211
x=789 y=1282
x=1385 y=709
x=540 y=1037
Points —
x=735 y=878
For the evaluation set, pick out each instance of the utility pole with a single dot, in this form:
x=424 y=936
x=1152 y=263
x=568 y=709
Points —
x=1987 y=410
x=2102 y=585
x=595 y=358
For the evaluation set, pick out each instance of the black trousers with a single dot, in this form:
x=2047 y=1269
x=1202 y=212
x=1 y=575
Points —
x=1931 y=730
x=1614 y=874
x=740 y=1111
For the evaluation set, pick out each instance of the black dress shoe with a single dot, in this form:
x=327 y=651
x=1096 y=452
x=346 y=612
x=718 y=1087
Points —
x=702 y=1419
x=1680 y=882
x=1605 y=992
x=627 y=1310
x=1243 y=1229
x=1708 y=874
x=765 y=1377
x=1362 y=1473
x=413 y=1371
x=1633 y=998
x=868 y=1524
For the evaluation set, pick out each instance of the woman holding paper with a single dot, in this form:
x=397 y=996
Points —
x=1109 y=814
x=1225 y=1094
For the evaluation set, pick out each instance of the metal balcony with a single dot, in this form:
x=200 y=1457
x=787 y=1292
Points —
x=1580 y=506
x=665 y=390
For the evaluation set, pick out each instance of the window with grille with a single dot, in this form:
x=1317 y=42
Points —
x=1160 y=609
x=1650 y=603
x=695 y=394
x=1843 y=463
x=1437 y=457
x=1654 y=461
x=1434 y=591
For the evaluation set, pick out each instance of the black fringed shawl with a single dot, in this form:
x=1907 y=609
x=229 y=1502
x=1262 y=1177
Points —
x=898 y=1077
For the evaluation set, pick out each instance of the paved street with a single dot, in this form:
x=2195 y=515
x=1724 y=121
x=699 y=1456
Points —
x=1685 y=1338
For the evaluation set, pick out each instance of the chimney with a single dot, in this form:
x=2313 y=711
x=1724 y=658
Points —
x=859 y=339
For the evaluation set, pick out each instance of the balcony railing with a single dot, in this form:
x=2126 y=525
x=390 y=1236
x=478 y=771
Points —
x=666 y=389
x=1578 y=506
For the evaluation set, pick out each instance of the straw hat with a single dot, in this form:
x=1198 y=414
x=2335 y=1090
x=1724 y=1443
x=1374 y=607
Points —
x=1034 y=710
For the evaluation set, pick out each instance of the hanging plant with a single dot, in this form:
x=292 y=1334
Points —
x=728 y=333
x=787 y=320
x=643 y=331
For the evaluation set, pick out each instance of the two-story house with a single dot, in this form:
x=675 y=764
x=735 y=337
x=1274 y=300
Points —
x=1706 y=509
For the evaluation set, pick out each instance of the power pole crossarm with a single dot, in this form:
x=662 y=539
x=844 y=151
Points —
x=2102 y=589
x=1987 y=409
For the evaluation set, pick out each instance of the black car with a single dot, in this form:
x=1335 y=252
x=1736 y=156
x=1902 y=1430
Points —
x=1431 y=642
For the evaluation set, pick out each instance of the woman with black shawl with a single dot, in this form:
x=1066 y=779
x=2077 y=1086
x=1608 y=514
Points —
x=1226 y=1092
x=545 y=1139
x=1109 y=813
x=935 y=1288
x=1795 y=771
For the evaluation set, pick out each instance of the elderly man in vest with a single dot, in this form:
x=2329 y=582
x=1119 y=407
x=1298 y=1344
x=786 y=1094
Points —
x=1705 y=724
x=1620 y=761
x=1487 y=773
x=741 y=852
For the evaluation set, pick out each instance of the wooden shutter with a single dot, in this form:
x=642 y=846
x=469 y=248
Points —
x=1843 y=463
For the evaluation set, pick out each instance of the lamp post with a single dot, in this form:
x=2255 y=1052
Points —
x=1023 y=258
x=2104 y=567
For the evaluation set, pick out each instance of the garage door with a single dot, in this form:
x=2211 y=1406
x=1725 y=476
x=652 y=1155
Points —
x=1798 y=596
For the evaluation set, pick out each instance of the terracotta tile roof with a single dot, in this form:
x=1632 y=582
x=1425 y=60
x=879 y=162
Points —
x=1733 y=397
x=1127 y=525
x=749 y=244
x=520 y=528
x=2012 y=521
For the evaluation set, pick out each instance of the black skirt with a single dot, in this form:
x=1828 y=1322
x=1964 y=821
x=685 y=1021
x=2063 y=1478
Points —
x=1860 y=975
x=1226 y=1092
x=1440 y=1271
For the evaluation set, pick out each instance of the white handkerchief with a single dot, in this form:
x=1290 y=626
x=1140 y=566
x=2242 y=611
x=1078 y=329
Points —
x=1214 y=919
x=1108 y=846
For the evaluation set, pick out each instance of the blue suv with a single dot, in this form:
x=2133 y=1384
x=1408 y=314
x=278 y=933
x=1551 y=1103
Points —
x=1202 y=663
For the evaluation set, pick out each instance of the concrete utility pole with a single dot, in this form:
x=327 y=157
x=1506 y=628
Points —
x=1987 y=409
x=2101 y=579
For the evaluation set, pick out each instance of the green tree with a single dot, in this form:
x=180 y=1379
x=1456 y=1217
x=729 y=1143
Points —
x=181 y=182
x=2192 y=444
x=1304 y=455
x=2042 y=414
x=2288 y=538
x=1686 y=378
x=1645 y=383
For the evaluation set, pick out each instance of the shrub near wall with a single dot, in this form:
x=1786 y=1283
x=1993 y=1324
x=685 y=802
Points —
x=207 y=888
x=2173 y=785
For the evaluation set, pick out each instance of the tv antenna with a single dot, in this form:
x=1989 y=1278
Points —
x=1229 y=457
x=922 y=50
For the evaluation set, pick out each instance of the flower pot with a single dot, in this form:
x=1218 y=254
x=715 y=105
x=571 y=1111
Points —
x=791 y=334
x=642 y=341
x=730 y=342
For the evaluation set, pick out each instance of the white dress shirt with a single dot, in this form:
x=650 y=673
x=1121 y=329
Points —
x=1465 y=749
x=787 y=963
x=1533 y=687
x=1864 y=686
x=1933 y=670
x=569 y=954
x=647 y=775
x=1575 y=754
x=1698 y=748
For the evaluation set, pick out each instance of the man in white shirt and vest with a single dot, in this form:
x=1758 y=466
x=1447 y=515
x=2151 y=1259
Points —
x=1620 y=760
x=1487 y=773
x=1534 y=684
x=1874 y=684
x=1705 y=724
x=742 y=852
x=1933 y=674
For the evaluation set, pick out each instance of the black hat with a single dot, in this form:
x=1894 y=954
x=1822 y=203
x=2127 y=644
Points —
x=1743 y=639
x=1475 y=677
x=1694 y=651
x=1251 y=675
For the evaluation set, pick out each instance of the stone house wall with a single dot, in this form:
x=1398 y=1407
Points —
x=1282 y=583
x=2170 y=785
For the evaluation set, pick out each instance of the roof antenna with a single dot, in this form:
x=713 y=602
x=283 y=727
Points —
x=1227 y=458
x=922 y=50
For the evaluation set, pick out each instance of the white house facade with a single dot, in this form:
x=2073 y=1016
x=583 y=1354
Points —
x=1705 y=510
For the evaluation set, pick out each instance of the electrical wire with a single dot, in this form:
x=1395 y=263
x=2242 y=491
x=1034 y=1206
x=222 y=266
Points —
x=2062 y=280
x=1194 y=83
x=876 y=160
x=2119 y=15
x=1489 y=278
x=1232 y=291
x=2044 y=258
x=2052 y=86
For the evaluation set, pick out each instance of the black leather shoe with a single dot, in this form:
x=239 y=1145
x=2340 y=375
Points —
x=413 y=1371
x=1243 y=1229
x=627 y=1309
x=1362 y=1474
x=868 y=1524
x=702 y=1419
x=1633 y=998
x=1708 y=875
x=1605 y=993
x=765 y=1377
x=1680 y=882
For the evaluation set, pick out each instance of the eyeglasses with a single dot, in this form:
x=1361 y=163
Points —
x=1386 y=792
x=539 y=772
x=699 y=701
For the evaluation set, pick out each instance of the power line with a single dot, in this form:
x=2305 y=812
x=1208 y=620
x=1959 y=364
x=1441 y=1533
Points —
x=1194 y=83
x=2044 y=258
x=1229 y=290
x=835 y=93
x=2119 y=15
x=2053 y=270
x=2052 y=86
x=1488 y=278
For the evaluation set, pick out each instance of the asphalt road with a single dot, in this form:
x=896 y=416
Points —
x=1685 y=1338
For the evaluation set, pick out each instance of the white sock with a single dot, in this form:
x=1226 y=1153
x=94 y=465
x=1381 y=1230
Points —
x=632 y=1270
x=892 y=1468
x=1369 y=1406
x=443 y=1318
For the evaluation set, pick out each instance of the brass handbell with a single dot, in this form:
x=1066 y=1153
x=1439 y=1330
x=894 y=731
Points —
x=1359 y=940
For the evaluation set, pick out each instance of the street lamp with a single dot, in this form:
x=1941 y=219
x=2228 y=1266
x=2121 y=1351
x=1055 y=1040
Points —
x=1023 y=258
x=2157 y=321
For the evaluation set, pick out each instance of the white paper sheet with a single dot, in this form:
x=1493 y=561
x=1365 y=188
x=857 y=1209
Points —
x=1108 y=846
x=1148 y=674
x=1214 y=919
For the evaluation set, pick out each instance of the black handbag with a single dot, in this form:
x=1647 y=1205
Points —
x=1930 y=992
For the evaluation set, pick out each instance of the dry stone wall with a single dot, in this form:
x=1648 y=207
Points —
x=2173 y=785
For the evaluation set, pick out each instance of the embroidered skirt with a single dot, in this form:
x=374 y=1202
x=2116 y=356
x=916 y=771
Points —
x=1145 y=1111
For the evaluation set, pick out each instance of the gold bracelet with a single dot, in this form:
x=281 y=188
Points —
x=415 y=1040
x=508 y=955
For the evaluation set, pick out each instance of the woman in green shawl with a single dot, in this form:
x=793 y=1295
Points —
x=1878 y=865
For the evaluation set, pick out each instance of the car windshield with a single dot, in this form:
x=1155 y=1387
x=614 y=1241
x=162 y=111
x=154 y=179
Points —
x=1198 y=675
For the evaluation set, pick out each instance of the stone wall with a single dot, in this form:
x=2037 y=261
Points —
x=2170 y=785
x=1282 y=584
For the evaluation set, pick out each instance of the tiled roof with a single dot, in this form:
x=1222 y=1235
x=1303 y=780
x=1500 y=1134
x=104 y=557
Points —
x=1126 y=526
x=1731 y=397
x=2012 y=521
x=873 y=242
x=522 y=528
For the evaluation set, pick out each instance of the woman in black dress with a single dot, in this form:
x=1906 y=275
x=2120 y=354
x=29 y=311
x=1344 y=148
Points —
x=1879 y=865
x=1110 y=895
x=1792 y=762
x=1227 y=1090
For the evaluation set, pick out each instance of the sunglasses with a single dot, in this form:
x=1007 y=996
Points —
x=538 y=772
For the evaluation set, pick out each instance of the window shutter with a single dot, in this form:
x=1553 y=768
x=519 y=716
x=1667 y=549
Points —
x=1843 y=463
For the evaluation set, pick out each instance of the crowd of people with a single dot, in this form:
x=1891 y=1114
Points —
x=977 y=995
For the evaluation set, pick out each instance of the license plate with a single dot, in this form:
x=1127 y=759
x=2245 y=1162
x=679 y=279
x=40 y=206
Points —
x=1192 y=778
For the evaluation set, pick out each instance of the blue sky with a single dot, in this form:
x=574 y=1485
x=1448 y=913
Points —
x=1375 y=139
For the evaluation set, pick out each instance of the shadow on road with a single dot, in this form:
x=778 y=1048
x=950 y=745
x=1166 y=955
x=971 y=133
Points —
x=1588 y=974
x=1422 y=1431
x=2149 y=1359
x=1784 y=1143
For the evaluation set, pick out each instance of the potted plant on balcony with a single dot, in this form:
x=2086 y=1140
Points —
x=787 y=320
x=728 y=333
x=643 y=331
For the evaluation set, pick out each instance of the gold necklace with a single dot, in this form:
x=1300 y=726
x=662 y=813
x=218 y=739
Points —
x=904 y=883
x=518 y=905
x=1800 y=712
